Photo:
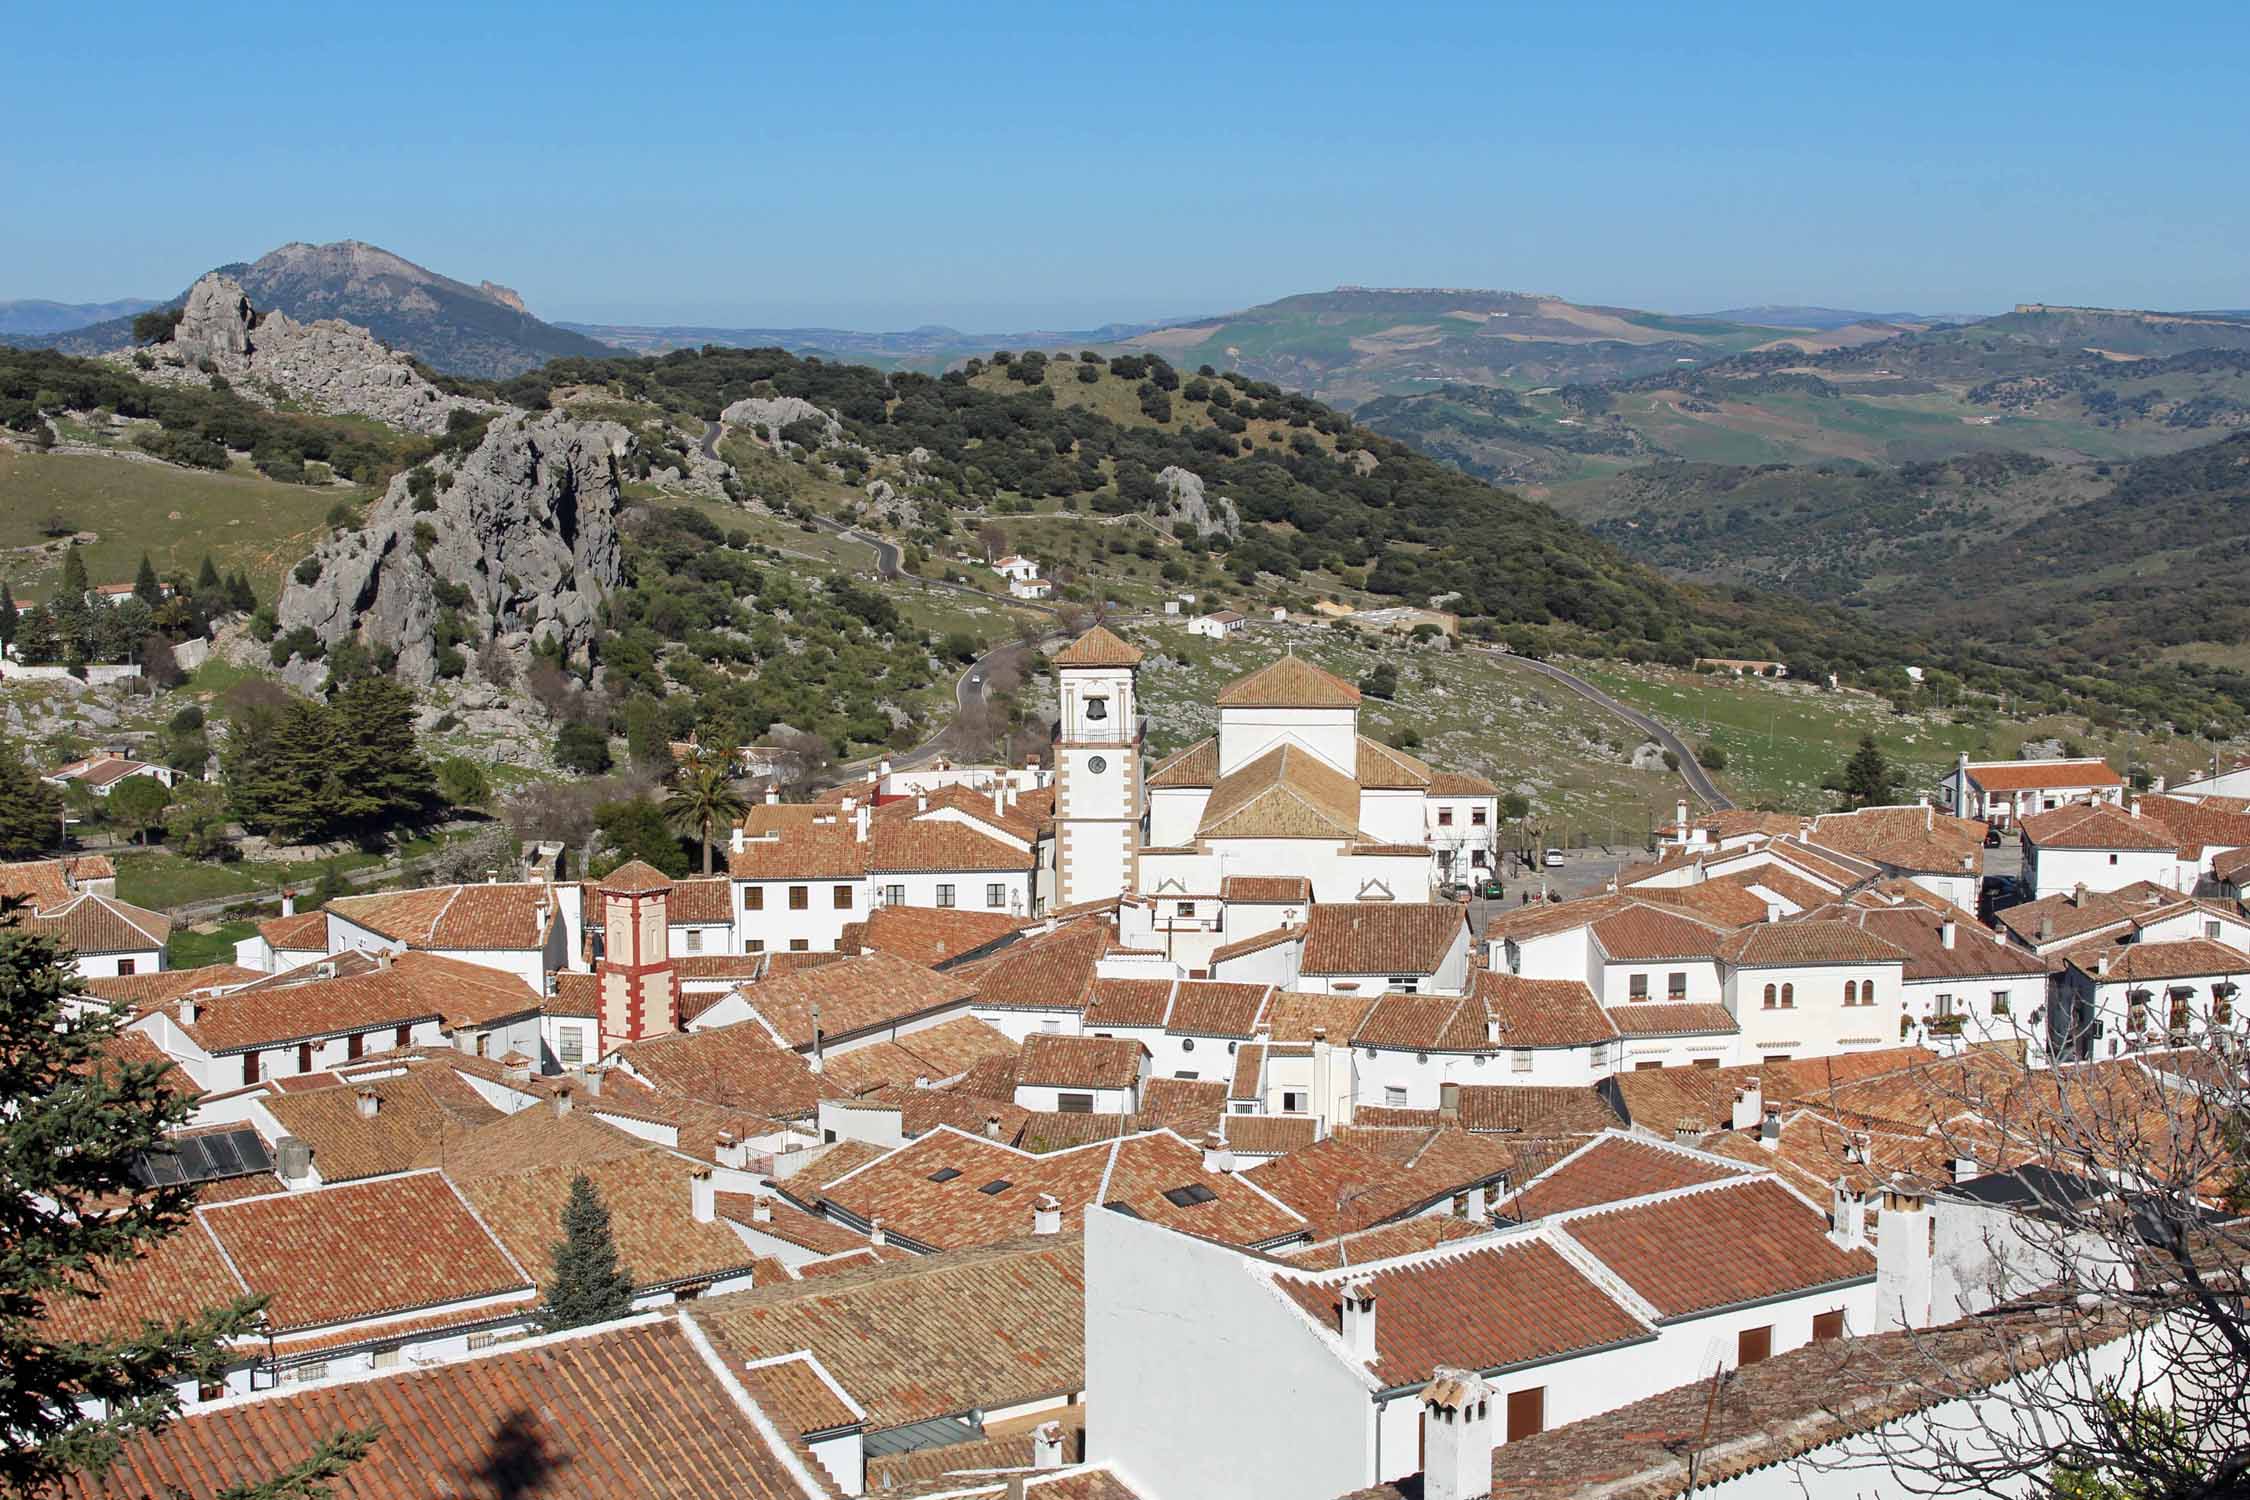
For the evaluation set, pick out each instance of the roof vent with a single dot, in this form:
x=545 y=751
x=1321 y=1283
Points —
x=293 y=1159
x=1769 y=1131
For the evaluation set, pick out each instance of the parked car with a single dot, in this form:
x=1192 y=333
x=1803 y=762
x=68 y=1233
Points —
x=1454 y=891
x=1553 y=861
x=1492 y=889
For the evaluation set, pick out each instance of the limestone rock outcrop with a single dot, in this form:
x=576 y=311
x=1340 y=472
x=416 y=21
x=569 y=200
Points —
x=326 y=366
x=1189 y=506
x=523 y=542
x=767 y=415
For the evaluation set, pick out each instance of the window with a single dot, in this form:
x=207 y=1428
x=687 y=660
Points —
x=307 y=1374
x=1183 y=908
x=1445 y=817
x=1637 y=987
x=1190 y=1074
x=1788 y=997
x=753 y=898
x=996 y=1187
x=800 y=945
x=1945 y=1005
x=753 y=945
x=1292 y=1101
x=1769 y=997
x=800 y=897
x=355 y=1044
x=304 y=1057
x=2222 y=1005
x=570 y=1046
x=1051 y=1026
x=1828 y=1326
x=1675 y=986
x=1999 y=1002
x=1394 y=1098
x=1851 y=992
x=995 y=895
x=249 y=1067
x=210 y=1390
x=945 y=895
x=1406 y=984
x=2179 y=1007
x=2211 y=931
x=945 y=1174
x=1187 y=1044
x=1476 y=817
x=1519 y=1060
x=1527 y=1413
x=405 y=1035
x=843 y=898
x=1705 y=1062
x=1097 y=764
x=124 y=967
x=894 y=895
x=1189 y=1196
x=1753 y=1344
x=1075 y=1104
x=695 y=940
x=385 y=1358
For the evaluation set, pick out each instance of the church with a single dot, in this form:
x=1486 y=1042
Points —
x=1237 y=835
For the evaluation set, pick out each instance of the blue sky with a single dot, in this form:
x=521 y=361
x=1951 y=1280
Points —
x=1000 y=167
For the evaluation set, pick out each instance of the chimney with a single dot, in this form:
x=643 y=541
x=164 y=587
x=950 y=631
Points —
x=1948 y=930
x=1773 y=911
x=560 y=1099
x=735 y=840
x=733 y=1151
x=1685 y=1132
x=773 y=794
x=1046 y=1214
x=1216 y=1155
x=1965 y=1168
x=703 y=1196
x=1904 y=1252
x=1358 y=1321
x=2101 y=963
x=293 y=1160
x=2078 y=894
x=2046 y=927
x=859 y=824
x=1047 y=1446
x=593 y=1083
x=1013 y=1489
x=999 y=799
x=187 y=1010
x=761 y=1209
x=1769 y=1130
x=1929 y=816
x=370 y=1104
x=1457 y=1436
x=875 y=1235
x=1847 y=1218
x=819 y=1061
x=882 y=773
x=1749 y=1107
x=289 y=903
x=1679 y=817
x=992 y=1127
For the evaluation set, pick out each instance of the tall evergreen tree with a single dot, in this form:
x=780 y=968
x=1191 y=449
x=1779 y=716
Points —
x=240 y=596
x=74 y=584
x=207 y=576
x=588 y=1284
x=145 y=587
x=30 y=810
x=378 y=754
x=1867 y=777
x=9 y=615
x=37 y=640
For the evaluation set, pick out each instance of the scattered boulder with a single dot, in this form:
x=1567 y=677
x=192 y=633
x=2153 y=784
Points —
x=767 y=415
x=2040 y=750
x=1648 y=756
x=1190 y=506
x=525 y=526
x=1364 y=462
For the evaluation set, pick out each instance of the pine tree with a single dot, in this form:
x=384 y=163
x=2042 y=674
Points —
x=37 y=640
x=588 y=1285
x=145 y=587
x=74 y=584
x=9 y=615
x=207 y=576
x=377 y=755
x=240 y=596
x=1867 y=777
x=30 y=811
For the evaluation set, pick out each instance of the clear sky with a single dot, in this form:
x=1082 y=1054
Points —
x=1005 y=166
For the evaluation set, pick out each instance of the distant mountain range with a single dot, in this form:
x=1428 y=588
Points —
x=1790 y=315
x=930 y=348
x=481 y=330
x=33 y=316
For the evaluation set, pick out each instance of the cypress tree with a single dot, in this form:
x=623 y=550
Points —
x=1867 y=776
x=207 y=576
x=145 y=587
x=74 y=584
x=588 y=1286
x=8 y=613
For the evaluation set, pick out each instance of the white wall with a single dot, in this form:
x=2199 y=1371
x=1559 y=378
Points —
x=1174 y=813
x=1330 y=733
x=1819 y=1024
x=2052 y=872
x=110 y=965
x=1614 y=984
x=773 y=927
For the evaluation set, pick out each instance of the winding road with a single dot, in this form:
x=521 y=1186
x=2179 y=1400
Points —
x=1698 y=780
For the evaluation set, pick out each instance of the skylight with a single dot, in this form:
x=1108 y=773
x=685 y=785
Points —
x=996 y=1185
x=945 y=1174
x=1189 y=1196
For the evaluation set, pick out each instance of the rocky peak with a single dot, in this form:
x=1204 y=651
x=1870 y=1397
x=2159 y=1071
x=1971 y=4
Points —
x=1189 y=506
x=506 y=296
x=519 y=539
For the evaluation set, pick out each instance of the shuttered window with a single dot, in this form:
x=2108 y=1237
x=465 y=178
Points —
x=1828 y=1325
x=1753 y=1344
x=1527 y=1413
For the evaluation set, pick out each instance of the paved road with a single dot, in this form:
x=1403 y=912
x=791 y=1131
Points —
x=1698 y=781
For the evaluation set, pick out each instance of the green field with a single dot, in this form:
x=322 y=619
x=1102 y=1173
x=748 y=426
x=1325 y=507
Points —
x=175 y=515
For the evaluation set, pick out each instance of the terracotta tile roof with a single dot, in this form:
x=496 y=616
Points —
x=146 y=992
x=1053 y=970
x=1046 y=1131
x=1293 y=1016
x=1195 y=766
x=2198 y=824
x=1918 y=932
x=1541 y=1012
x=794 y=1393
x=1906 y=838
x=2187 y=958
x=88 y=923
x=789 y=1223
x=1640 y=932
x=305 y=932
x=1128 y=1002
x=419 y=1115
x=1098 y=647
x=1364 y=1246
x=1080 y=1062
x=854 y=994
x=652 y=1216
x=575 y=995
x=889 y=1473
x=1268 y=1135
x=976 y=1330
x=1189 y=1107
x=1667 y=1099
x=1363 y=938
x=1460 y=784
x=635 y=878
x=1732 y=1243
x=1136 y=1170
x=412 y=987
x=1290 y=682
x=1286 y=793
x=1215 y=1007
x=1249 y=1071
x=1751 y=886
x=1812 y=1079
x=1534 y=1109
x=773 y=817
x=629 y=1413
x=833 y=1162
x=703 y=900
x=2068 y=915
x=1477 y=1304
x=1660 y=1018
x=2042 y=775
x=1611 y=1169
x=462 y=917
x=906 y=845
x=1543 y=920
x=1799 y=941
x=44 y=882
x=1380 y=766
x=2097 y=825
x=934 y=936
x=1279 y=890
x=1256 y=943
x=723 y=966
x=947 y=1050
x=389 y=1246
x=178 y=1277
x=811 y=852
x=1358 y=1177
x=735 y=1067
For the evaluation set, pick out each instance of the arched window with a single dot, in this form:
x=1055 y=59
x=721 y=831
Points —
x=1851 y=992
x=1788 y=997
x=1769 y=997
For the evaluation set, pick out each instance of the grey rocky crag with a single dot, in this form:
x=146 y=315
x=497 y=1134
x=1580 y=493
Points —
x=327 y=366
x=525 y=527
x=767 y=415
x=1189 y=506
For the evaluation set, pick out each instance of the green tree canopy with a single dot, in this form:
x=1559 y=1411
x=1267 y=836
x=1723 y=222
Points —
x=588 y=1284
x=74 y=584
x=1867 y=780
x=29 y=808
x=146 y=588
x=705 y=797
x=138 y=804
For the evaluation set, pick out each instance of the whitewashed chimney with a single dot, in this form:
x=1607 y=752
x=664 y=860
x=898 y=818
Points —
x=1773 y=911
x=773 y=794
x=593 y=1083
x=1457 y=1436
x=703 y=1195
x=1948 y=932
x=1847 y=1218
x=1903 y=1261
x=559 y=1099
x=859 y=824
x=1358 y=1319
x=1046 y=1214
x=1217 y=1156
x=761 y=1210
x=1047 y=1446
x=289 y=903
x=1749 y=1107
x=370 y=1104
x=875 y=1235
x=992 y=1127
x=735 y=840
x=187 y=1010
x=1769 y=1131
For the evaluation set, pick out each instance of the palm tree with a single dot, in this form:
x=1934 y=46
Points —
x=703 y=795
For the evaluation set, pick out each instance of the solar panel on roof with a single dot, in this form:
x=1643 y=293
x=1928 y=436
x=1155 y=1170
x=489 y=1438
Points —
x=203 y=1158
x=225 y=1159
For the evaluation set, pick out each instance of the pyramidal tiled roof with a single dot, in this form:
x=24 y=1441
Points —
x=1098 y=647
x=1291 y=682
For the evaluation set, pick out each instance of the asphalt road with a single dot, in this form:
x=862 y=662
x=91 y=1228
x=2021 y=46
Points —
x=1698 y=781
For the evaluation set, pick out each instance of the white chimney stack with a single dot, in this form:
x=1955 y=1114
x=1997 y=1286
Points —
x=1773 y=911
x=1847 y=1218
x=560 y=1099
x=1679 y=815
x=593 y=1083
x=773 y=794
x=734 y=840
x=875 y=1235
x=187 y=1010
x=1948 y=931
x=1047 y=1446
x=1769 y=1131
x=1046 y=1214
x=1749 y=1107
x=992 y=1127
x=999 y=800
x=1359 y=1319
x=1457 y=1436
x=370 y=1104
x=703 y=1195
x=1217 y=1157
x=859 y=824
x=761 y=1210
x=289 y=903
x=1903 y=1262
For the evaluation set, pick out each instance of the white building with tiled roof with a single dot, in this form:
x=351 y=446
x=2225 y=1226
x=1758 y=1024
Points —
x=2005 y=792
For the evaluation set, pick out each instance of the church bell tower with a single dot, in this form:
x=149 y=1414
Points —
x=1097 y=769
